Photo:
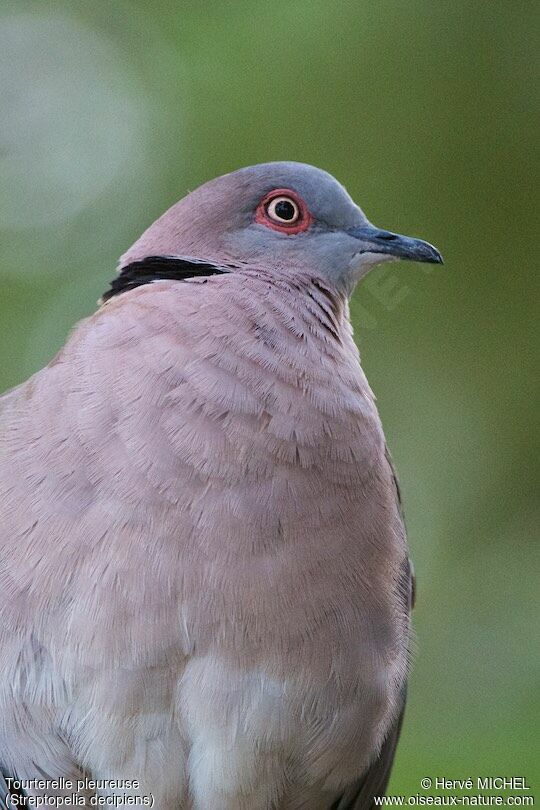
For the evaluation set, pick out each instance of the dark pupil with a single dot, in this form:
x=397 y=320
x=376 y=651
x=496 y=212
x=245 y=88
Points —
x=285 y=210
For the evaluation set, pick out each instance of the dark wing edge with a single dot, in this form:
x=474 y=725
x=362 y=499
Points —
x=373 y=783
x=6 y=802
x=5 y=794
x=375 y=780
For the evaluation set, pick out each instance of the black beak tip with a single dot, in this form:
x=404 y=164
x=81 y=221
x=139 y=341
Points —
x=430 y=254
x=395 y=245
x=438 y=259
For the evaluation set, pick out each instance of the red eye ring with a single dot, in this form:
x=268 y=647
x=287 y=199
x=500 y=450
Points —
x=299 y=224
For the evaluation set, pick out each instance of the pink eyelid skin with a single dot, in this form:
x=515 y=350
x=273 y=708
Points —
x=301 y=224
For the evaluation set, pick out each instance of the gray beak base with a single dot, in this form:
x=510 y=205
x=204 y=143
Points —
x=375 y=240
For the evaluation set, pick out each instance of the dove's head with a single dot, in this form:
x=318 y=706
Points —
x=277 y=216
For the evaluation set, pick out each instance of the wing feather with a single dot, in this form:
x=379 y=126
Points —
x=361 y=796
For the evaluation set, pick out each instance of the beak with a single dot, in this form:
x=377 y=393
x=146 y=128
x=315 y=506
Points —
x=374 y=240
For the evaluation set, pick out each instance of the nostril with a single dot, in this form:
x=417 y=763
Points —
x=387 y=236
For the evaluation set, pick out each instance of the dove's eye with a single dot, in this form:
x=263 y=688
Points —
x=283 y=210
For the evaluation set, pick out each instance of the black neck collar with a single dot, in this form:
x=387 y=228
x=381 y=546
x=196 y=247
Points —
x=153 y=268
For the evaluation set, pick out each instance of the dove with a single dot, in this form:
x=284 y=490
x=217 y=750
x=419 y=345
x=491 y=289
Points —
x=205 y=586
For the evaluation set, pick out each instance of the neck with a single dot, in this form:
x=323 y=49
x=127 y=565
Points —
x=159 y=268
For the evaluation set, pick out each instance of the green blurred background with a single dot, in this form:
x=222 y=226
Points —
x=426 y=110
